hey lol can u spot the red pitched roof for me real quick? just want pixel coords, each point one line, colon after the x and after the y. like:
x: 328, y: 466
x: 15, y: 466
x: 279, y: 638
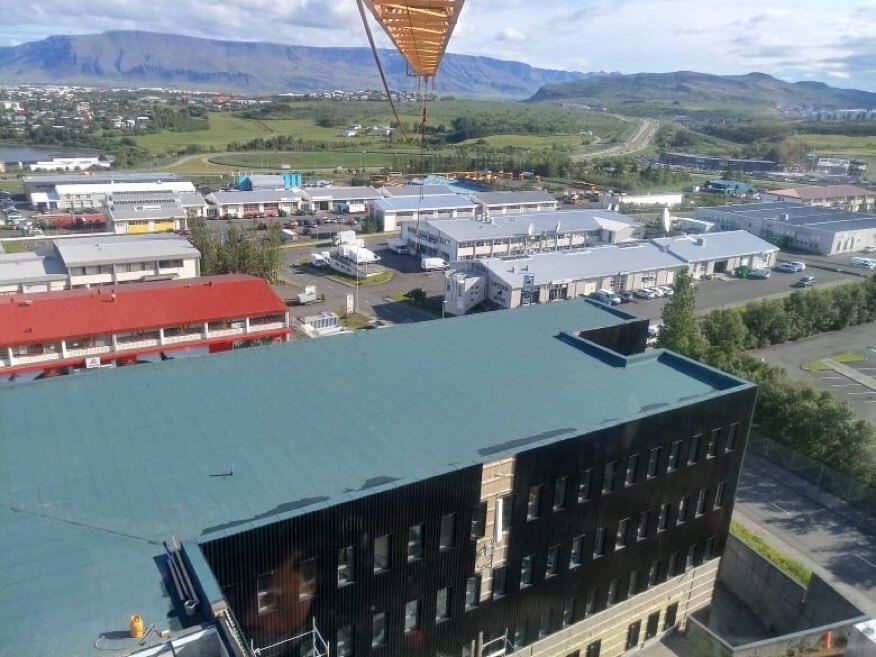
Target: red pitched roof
x: 51, y: 316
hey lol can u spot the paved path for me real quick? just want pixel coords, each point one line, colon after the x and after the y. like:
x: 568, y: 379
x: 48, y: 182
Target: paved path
x: 827, y: 534
x: 640, y: 140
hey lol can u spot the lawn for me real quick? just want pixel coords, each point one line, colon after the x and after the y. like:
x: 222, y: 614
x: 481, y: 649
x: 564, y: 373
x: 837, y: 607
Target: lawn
x: 845, y: 357
x: 376, y: 279
x: 304, y: 159
x: 863, y: 148
x: 12, y: 186
x: 527, y: 141
x: 13, y: 246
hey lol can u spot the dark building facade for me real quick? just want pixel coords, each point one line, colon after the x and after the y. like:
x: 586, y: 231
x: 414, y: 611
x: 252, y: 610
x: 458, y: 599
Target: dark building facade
x: 717, y: 163
x: 551, y: 540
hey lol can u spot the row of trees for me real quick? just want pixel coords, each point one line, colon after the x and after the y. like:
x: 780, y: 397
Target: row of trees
x: 238, y: 252
x: 791, y: 411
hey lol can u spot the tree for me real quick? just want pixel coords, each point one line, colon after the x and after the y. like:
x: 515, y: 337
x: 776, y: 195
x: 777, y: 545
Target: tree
x: 725, y: 330
x: 680, y: 331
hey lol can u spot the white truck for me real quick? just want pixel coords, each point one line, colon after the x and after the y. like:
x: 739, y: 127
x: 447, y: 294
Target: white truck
x: 398, y: 245
x: 347, y: 208
x: 433, y: 264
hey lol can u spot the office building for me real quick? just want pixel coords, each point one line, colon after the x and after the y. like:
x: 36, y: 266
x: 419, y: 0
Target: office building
x: 349, y: 496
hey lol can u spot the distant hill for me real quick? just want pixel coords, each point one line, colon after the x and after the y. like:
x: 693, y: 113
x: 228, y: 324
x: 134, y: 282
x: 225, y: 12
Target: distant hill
x: 130, y: 58
x: 687, y: 87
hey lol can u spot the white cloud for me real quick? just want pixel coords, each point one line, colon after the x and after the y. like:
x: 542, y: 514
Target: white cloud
x: 511, y: 34
x: 839, y: 74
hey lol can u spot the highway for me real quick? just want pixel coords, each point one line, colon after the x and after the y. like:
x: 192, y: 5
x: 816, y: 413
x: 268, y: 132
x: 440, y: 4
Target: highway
x: 825, y: 533
x: 638, y: 142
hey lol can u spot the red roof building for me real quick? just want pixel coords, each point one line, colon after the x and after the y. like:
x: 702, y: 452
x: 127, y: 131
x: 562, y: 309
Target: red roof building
x: 49, y: 333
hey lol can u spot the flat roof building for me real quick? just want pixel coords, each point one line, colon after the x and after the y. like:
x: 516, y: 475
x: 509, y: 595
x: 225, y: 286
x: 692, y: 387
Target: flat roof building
x: 843, y: 197
x: 332, y: 198
x: 239, y: 205
x: 48, y: 183
x: 416, y: 190
x: 69, y: 196
x: 52, y: 333
x: 557, y: 275
x: 815, y: 229
x: 485, y: 237
x: 551, y: 518
x: 513, y: 202
x: 391, y: 212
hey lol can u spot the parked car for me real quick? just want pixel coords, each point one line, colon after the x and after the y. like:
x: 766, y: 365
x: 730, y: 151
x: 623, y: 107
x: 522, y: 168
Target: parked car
x: 666, y: 290
x: 805, y: 281
x: 657, y: 291
x: 625, y: 296
x: 760, y: 273
x: 645, y: 293
x: 867, y: 263
x: 791, y: 267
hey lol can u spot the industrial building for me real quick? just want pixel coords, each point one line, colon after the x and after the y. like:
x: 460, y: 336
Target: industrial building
x: 391, y: 212
x: 51, y: 333
x: 83, y: 196
x: 416, y: 190
x: 232, y: 502
x: 486, y: 237
x: 842, y: 197
x: 46, y: 184
x: 717, y: 163
x: 492, y: 203
x: 99, y: 260
x: 334, y: 199
x: 240, y: 205
x: 518, y: 280
x: 815, y: 229
x: 269, y: 182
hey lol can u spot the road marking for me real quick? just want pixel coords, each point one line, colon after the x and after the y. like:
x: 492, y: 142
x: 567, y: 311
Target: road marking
x: 787, y: 513
x: 843, y: 385
x: 866, y: 561
x: 828, y: 378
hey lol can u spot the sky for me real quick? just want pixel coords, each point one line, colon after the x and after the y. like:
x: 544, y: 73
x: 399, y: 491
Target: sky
x: 831, y: 41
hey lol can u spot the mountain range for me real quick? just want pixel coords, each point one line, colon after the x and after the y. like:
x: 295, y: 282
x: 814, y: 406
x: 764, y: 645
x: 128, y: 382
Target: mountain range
x: 139, y: 59
x: 687, y: 88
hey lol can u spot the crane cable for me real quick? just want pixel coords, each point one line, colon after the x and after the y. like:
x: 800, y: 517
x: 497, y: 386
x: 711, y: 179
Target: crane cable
x: 398, y: 120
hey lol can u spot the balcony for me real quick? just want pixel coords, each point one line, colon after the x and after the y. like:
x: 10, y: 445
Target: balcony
x: 270, y: 326
x: 37, y: 358
x: 177, y: 339
x: 223, y: 333
x: 88, y: 351
x: 138, y: 344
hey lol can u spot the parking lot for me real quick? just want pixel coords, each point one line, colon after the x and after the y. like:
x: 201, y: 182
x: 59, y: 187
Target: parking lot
x: 859, y: 389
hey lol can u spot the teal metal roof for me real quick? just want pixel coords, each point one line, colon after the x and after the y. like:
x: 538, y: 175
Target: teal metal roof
x: 103, y: 466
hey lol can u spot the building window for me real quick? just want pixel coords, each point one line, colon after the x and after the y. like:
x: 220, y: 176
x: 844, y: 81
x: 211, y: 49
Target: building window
x: 674, y: 454
x: 307, y: 575
x: 608, y: 473
x: 732, y: 432
x: 344, y: 641
x: 633, y: 635
x: 719, y: 495
x: 663, y: 517
x: 550, y: 568
x: 345, y: 565
x: 593, y: 649
x: 611, y: 596
x: 632, y: 466
x: 479, y: 520
x: 701, y: 502
x: 378, y: 629
x: 266, y: 595
x: 669, y: 618
x: 711, y: 548
x: 590, y: 602
x: 520, y: 633
x: 442, y: 603
x: 526, y: 571
x: 533, y: 502
x: 599, y: 543
x: 691, y: 557
x: 381, y: 554
x: 560, y: 494
x: 472, y: 591
x: 653, y: 462
x: 712, y: 449
x: 682, y: 510
x: 584, y: 485
x: 693, y: 450
x: 575, y: 554
x: 544, y: 623
x: 633, y: 586
x: 568, y: 612
x: 653, y: 573
x: 500, y: 581
x: 642, y: 529
x: 447, y: 533
x: 415, y: 542
x: 673, y: 564
x: 503, y: 514
x: 412, y: 615
x: 652, y: 625
x: 621, y: 539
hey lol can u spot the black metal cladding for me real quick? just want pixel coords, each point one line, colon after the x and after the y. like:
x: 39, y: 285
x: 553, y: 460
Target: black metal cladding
x: 238, y: 560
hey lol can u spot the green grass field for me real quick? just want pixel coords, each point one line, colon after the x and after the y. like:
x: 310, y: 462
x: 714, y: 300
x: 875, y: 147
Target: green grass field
x: 863, y: 148
x: 304, y: 159
x: 12, y: 186
x: 528, y: 141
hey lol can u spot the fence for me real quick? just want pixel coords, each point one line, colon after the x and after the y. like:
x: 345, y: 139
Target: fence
x: 842, y: 485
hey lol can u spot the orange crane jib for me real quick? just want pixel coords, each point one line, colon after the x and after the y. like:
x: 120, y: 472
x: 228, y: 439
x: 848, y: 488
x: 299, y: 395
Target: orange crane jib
x: 420, y: 29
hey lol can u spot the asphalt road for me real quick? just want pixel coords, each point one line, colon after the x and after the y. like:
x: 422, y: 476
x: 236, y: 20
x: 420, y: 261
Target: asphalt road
x: 834, y: 539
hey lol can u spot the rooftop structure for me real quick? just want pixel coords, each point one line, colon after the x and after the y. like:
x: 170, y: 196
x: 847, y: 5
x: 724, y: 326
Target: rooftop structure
x: 416, y: 190
x: 390, y: 212
x: 827, y: 231
x: 269, y: 182
x: 513, y: 202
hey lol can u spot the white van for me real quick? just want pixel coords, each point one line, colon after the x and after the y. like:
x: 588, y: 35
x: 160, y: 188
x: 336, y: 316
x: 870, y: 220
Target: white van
x: 869, y: 263
x: 607, y: 296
